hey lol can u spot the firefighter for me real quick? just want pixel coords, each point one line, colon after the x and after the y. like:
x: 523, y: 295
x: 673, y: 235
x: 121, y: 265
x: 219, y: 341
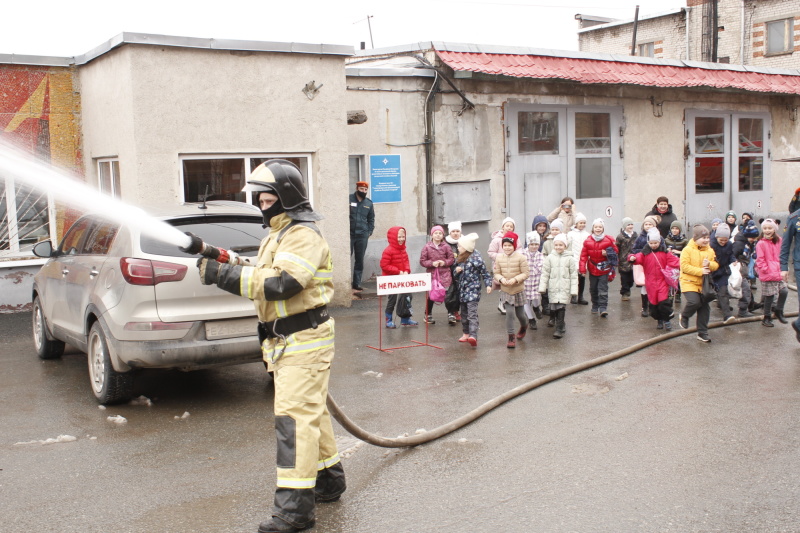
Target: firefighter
x: 291, y: 285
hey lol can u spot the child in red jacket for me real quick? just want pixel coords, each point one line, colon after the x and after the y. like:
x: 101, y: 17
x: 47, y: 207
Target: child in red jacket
x: 394, y: 261
x: 593, y: 260
x: 654, y: 257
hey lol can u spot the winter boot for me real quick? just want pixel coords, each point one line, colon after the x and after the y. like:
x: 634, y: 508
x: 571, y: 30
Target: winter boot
x: 408, y: 322
x: 552, y: 321
x: 767, y: 321
x: 779, y: 308
x: 667, y: 325
x: 538, y: 312
x: 389, y: 322
x: 276, y: 525
x: 522, y: 331
x: 660, y: 324
x: 532, y: 324
x: 511, y: 342
x: 645, y: 306
x: 560, y: 326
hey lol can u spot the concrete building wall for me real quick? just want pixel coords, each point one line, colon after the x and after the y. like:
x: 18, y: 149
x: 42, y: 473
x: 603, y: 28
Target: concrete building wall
x: 152, y: 104
x: 395, y: 109
x: 653, y: 160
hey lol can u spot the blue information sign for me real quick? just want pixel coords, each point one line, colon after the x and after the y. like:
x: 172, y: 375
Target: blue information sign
x: 385, y: 176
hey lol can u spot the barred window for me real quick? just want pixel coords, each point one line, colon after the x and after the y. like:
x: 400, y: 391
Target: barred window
x: 24, y: 218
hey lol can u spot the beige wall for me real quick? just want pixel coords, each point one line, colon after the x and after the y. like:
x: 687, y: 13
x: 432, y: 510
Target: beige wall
x: 151, y: 104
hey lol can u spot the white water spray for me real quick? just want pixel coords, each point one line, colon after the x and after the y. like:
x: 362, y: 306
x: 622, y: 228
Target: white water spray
x: 61, y: 186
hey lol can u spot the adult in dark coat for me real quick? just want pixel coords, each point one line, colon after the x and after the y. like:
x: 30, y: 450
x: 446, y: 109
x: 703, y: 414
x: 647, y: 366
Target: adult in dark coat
x: 663, y: 209
x: 362, y: 224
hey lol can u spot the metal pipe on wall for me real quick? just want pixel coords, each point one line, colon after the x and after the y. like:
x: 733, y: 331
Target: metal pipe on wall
x: 635, y: 27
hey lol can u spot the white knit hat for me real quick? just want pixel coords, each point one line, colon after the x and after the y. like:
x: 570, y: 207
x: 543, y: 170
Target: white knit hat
x: 532, y: 237
x: 557, y: 223
x: 598, y: 221
x: 579, y: 217
x: 508, y: 219
x: 453, y: 226
x: 653, y: 235
x: 468, y: 241
x: 561, y: 237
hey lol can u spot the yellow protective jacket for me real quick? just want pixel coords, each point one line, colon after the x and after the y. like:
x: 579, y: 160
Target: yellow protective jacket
x: 293, y: 274
x: 692, y: 266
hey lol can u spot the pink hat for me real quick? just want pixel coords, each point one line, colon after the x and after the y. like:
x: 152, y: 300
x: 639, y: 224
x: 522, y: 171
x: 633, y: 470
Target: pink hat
x: 437, y: 228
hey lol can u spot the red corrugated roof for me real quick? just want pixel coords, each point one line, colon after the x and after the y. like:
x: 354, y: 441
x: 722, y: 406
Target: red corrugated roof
x: 617, y: 72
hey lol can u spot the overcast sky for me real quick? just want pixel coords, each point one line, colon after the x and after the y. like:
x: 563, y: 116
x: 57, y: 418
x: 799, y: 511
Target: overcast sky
x: 71, y: 27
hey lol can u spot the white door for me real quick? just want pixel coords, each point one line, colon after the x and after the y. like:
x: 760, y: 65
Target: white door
x: 537, y: 157
x: 595, y: 165
x: 708, y: 176
x: 751, y: 182
x: 555, y: 152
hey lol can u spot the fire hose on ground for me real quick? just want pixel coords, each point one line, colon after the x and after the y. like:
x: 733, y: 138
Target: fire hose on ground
x: 441, y: 431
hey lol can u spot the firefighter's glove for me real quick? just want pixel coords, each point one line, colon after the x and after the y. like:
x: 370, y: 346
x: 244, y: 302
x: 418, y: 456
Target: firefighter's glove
x: 209, y: 270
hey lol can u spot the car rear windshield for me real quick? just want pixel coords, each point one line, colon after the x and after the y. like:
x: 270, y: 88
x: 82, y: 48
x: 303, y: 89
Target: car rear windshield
x: 241, y: 234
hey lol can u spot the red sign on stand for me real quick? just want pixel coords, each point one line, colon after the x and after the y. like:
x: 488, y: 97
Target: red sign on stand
x: 402, y: 284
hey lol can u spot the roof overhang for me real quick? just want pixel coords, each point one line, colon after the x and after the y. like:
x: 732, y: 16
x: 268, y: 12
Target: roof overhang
x: 611, y: 69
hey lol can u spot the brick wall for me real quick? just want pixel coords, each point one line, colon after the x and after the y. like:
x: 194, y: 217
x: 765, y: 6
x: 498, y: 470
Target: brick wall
x: 667, y: 33
x: 670, y: 30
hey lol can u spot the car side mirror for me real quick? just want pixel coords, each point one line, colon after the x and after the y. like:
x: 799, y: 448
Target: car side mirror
x: 43, y: 249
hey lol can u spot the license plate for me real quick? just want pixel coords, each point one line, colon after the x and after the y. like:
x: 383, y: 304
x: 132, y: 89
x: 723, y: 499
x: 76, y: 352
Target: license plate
x: 228, y: 329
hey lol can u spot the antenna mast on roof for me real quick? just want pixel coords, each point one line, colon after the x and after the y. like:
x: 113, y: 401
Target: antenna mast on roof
x: 371, y: 42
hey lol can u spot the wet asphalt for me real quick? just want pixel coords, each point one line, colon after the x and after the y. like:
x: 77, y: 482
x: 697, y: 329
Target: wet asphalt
x: 681, y: 436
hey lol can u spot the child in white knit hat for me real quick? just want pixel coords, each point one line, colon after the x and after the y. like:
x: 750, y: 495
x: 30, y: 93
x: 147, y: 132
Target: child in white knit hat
x: 560, y: 281
x: 451, y: 302
x: 532, y: 296
x: 575, y: 239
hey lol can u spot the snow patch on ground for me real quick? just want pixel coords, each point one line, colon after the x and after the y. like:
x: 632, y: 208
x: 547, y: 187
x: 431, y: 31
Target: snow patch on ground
x: 141, y: 400
x: 184, y: 416
x: 373, y: 373
x: 117, y: 419
x: 59, y: 439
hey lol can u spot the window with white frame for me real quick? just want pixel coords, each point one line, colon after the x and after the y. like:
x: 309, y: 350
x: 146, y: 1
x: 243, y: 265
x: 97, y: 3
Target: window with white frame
x: 356, y: 163
x: 108, y: 177
x: 222, y: 177
x: 24, y: 218
x: 647, y: 49
x: 780, y: 36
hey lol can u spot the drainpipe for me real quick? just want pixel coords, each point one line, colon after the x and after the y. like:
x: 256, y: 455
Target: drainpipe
x: 635, y: 27
x: 688, y: 11
x: 744, y: 33
x: 429, y: 138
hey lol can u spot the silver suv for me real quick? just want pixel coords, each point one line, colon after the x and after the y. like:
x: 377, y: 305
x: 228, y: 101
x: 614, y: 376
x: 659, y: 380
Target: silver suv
x: 132, y: 302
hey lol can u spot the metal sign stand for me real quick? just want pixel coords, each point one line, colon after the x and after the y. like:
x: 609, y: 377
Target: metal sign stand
x: 416, y: 344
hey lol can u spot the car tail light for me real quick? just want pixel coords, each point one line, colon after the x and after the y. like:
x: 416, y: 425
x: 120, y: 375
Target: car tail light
x: 147, y: 272
x: 157, y: 326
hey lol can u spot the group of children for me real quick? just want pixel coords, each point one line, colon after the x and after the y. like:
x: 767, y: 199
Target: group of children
x: 549, y: 271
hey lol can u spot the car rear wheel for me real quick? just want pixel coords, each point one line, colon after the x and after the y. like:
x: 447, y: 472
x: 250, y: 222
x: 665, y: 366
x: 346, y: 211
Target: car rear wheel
x: 108, y: 385
x: 46, y: 348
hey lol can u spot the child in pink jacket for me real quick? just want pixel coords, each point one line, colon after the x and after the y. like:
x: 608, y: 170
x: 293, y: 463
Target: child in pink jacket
x: 653, y: 258
x: 768, y: 266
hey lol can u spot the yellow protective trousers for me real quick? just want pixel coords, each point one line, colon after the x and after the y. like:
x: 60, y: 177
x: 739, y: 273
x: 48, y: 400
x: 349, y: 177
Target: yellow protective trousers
x: 306, y: 446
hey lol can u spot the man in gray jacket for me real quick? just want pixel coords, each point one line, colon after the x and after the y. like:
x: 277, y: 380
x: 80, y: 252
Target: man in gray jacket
x: 362, y: 223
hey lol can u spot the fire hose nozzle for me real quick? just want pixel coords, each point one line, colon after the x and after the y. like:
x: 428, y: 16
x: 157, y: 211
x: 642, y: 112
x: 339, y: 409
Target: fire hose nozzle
x: 197, y: 246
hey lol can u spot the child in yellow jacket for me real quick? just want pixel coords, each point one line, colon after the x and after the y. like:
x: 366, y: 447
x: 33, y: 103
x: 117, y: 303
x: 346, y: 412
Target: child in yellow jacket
x: 697, y: 260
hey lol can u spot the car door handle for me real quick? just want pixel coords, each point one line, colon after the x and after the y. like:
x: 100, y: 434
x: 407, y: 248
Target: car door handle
x: 64, y: 271
x: 93, y: 273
